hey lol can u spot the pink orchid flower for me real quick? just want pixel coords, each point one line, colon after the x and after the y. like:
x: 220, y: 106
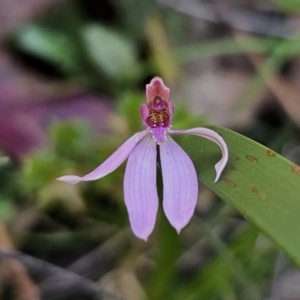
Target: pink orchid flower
x: 180, y: 183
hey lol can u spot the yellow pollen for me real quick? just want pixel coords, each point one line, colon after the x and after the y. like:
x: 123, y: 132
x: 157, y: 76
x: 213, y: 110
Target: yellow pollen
x: 157, y: 117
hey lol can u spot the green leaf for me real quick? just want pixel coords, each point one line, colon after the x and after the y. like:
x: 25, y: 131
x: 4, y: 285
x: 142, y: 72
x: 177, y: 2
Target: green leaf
x: 48, y: 44
x: 287, y: 5
x: 7, y: 208
x: 262, y: 185
x: 111, y: 52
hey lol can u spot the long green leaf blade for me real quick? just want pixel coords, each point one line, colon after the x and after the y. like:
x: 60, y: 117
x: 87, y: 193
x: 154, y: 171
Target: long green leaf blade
x: 261, y: 184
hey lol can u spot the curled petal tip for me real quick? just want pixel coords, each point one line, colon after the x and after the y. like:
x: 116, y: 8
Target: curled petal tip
x: 69, y: 179
x: 214, y: 137
x: 219, y: 168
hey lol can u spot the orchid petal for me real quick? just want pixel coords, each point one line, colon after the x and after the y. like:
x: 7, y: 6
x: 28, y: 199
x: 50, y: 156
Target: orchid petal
x: 214, y: 137
x: 113, y: 162
x: 180, y: 184
x: 140, y: 191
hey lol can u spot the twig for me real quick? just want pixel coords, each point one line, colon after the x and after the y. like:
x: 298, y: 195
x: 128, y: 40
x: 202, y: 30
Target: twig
x: 239, y: 19
x: 68, y: 283
x: 93, y: 265
x: 15, y: 273
x: 99, y: 261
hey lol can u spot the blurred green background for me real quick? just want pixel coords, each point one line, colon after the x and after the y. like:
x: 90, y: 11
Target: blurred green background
x: 72, y: 77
